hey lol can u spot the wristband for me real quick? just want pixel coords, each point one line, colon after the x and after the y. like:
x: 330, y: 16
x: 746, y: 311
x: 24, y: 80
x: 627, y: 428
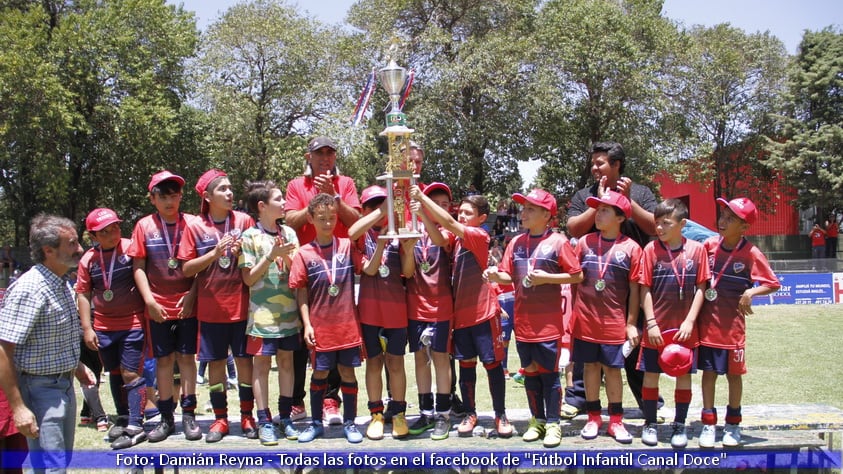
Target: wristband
x: 651, y: 326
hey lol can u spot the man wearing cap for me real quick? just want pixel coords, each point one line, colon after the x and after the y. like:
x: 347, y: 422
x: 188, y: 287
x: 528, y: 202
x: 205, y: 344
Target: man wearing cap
x: 39, y: 345
x: 320, y: 176
x: 608, y: 160
x: 106, y: 283
x: 173, y: 327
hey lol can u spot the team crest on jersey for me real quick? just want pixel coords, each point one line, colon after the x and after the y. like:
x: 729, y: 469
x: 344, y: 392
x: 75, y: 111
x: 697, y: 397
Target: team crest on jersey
x: 738, y: 267
x: 313, y: 263
x: 206, y: 237
x: 155, y: 235
x: 340, y: 257
x: 689, y: 264
x: 520, y: 252
x: 124, y: 259
x: 546, y: 249
x: 620, y: 256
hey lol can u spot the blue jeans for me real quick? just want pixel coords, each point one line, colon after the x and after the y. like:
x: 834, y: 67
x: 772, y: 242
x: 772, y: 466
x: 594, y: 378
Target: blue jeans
x: 53, y: 401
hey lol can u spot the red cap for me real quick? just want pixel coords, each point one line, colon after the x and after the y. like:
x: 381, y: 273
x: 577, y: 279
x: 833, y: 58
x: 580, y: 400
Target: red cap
x: 100, y: 218
x: 742, y: 207
x: 613, y: 198
x: 205, y: 180
x: 538, y: 197
x: 162, y: 176
x: 372, y: 192
x: 675, y: 358
x: 437, y: 186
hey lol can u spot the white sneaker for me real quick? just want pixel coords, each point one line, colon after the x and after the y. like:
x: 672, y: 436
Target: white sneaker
x: 650, y: 435
x: 707, y: 436
x: 731, y: 435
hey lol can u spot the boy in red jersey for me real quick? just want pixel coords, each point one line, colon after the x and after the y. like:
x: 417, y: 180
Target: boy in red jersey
x: 606, y: 310
x: 210, y: 250
x: 382, y: 306
x: 173, y: 327
x: 477, y: 326
x: 323, y: 277
x: 536, y: 263
x: 736, y: 265
x: 674, y: 272
x: 105, y: 281
x: 274, y: 327
x: 431, y: 308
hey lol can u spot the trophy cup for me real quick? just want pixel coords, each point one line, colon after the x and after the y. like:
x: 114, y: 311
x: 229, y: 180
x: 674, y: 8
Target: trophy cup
x: 399, y: 174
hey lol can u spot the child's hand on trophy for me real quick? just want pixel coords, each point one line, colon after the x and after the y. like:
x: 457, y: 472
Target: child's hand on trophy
x: 415, y: 206
x: 415, y: 192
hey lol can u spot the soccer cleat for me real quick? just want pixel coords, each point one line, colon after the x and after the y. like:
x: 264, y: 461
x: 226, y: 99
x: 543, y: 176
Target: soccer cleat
x: 708, y: 436
x: 592, y: 427
x: 102, y: 424
x: 313, y: 431
x: 375, y: 429
x: 118, y: 427
x: 131, y: 436
x: 399, y: 426
x: 352, y: 434
x: 568, y: 411
x: 232, y: 383
x: 298, y: 412
x: 457, y: 408
x: 552, y: 435
x: 218, y: 430
x: 442, y: 428
x: 535, y: 431
x: 503, y: 426
x: 618, y: 431
x: 422, y: 424
x: 267, y: 435
x: 650, y: 434
x: 466, y: 427
x: 731, y: 435
x: 191, y: 429
x: 249, y: 427
x: 331, y: 412
x: 162, y: 430
x: 518, y: 377
x: 679, y: 439
x: 290, y: 431
x: 200, y: 380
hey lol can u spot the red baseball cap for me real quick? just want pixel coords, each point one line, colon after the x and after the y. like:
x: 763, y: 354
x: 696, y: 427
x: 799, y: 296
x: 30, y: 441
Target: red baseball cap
x: 613, y: 198
x: 437, y: 186
x: 162, y: 176
x: 675, y: 358
x: 742, y: 207
x: 100, y: 218
x: 372, y: 192
x: 538, y: 197
x: 205, y: 180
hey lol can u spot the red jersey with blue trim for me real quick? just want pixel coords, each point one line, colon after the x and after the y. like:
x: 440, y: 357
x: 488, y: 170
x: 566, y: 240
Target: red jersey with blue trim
x: 600, y: 315
x: 732, y: 272
x: 334, y: 318
x: 429, y: 295
x: 168, y: 285
x: 222, y: 297
x: 474, y: 301
x: 538, y: 308
x: 662, y: 270
x: 126, y: 308
x: 381, y: 300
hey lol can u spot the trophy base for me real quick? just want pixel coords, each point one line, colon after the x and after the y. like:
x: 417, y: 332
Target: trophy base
x: 401, y: 234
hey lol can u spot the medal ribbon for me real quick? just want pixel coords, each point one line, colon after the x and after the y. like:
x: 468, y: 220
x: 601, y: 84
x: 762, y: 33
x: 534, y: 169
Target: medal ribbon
x: 333, y: 273
x: 227, y: 217
x: 171, y: 248
x: 534, y: 255
x: 425, y: 245
x: 679, y: 280
x: 716, y: 278
x: 601, y: 267
x: 106, y: 276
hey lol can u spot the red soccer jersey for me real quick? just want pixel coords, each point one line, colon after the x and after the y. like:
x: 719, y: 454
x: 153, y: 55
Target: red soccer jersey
x: 538, y: 315
x: 381, y: 301
x: 474, y: 302
x: 600, y: 315
x: 732, y: 273
x: 126, y: 308
x: 158, y: 242
x: 670, y: 273
x: 817, y: 238
x: 302, y: 189
x: 334, y: 318
x: 222, y: 298
x: 429, y: 296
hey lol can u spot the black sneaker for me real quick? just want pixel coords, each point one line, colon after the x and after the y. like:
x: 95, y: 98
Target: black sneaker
x: 441, y: 428
x: 424, y: 423
x: 191, y: 430
x: 116, y: 430
x: 457, y: 408
x: 162, y: 430
x: 132, y: 435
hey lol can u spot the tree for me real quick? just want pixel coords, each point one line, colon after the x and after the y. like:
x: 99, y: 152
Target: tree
x: 726, y: 91
x: 603, y: 68
x: 807, y: 146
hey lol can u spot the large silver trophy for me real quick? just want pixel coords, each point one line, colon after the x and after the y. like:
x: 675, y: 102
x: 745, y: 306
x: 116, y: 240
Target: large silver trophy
x: 399, y: 174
